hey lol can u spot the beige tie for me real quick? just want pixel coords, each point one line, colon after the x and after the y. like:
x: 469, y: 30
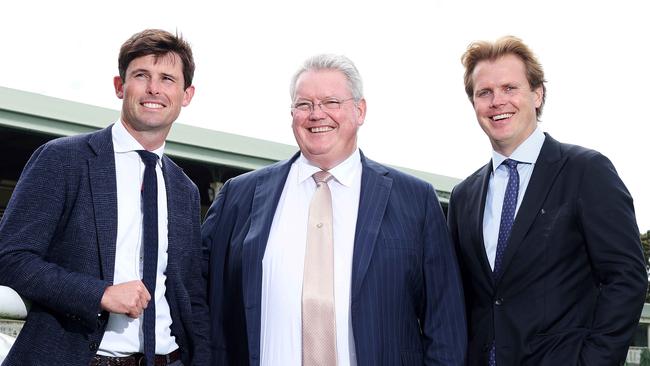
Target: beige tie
x: 318, y: 321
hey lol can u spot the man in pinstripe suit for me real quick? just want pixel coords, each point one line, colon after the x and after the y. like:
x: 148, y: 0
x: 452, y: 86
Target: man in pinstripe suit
x: 397, y: 294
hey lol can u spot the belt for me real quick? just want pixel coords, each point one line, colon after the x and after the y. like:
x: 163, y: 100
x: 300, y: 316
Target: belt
x: 136, y: 359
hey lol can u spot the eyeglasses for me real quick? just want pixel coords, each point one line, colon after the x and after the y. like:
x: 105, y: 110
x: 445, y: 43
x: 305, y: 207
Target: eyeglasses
x: 331, y: 104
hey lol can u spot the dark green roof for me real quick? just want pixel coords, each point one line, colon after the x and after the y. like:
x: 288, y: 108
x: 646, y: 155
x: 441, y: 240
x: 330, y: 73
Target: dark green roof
x: 43, y: 114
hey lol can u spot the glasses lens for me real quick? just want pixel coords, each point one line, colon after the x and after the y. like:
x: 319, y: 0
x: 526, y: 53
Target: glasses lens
x: 303, y: 106
x: 331, y: 104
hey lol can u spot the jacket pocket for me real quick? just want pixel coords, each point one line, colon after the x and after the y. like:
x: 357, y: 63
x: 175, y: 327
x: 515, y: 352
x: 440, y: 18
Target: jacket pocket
x: 560, y: 347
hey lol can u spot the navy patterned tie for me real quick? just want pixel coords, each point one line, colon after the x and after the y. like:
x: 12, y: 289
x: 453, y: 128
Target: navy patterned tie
x: 150, y: 249
x: 507, y: 213
x: 505, y: 226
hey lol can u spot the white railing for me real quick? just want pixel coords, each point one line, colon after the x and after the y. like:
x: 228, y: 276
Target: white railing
x: 5, y: 345
x: 12, y: 306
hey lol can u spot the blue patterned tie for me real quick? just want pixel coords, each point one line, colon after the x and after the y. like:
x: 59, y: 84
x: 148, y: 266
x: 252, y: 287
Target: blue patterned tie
x: 507, y: 213
x: 505, y: 226
x: 150, y: 245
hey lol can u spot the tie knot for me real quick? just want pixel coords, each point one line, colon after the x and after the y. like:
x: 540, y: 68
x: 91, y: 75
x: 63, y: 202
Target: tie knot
x: 148, y: 158
x: 322, y: 177
x: 512, y: 164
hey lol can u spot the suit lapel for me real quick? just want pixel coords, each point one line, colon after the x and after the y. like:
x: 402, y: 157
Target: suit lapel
x: 268, y: 189
x: 101, y: 170
x: 375, y: 190
x: 175, y: 198
x: 477, y: 213
x: 547, y: 167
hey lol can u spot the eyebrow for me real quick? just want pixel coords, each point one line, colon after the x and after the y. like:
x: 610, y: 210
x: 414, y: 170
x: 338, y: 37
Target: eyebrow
x: 329, y: 97
x: 139, y: 70
x: 169, y: 75
x: 147, y: 71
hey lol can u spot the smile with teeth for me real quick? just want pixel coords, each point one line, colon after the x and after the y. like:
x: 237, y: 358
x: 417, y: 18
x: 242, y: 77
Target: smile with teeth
x: 320, y: 129
x: 502, y: 116
x: 152, y: 105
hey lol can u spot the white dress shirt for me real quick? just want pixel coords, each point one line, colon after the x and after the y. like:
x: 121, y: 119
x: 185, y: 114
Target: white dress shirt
x: 526, y: 154
x: 123, y: 334
x: 284, y: 259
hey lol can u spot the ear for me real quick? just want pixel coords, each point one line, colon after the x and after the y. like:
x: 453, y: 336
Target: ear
x: 361, y: 109
x: 119, y: 87
x: 187, y: 97
x: 539, y: 96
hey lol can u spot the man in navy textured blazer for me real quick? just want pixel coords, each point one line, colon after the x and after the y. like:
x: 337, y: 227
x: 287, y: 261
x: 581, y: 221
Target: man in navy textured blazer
x: 397, y: 292
x: 548, y: 244
x: 70, y: 239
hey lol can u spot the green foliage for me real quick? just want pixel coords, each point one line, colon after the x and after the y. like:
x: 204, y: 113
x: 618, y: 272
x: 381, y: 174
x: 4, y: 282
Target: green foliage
x: 645, y: 357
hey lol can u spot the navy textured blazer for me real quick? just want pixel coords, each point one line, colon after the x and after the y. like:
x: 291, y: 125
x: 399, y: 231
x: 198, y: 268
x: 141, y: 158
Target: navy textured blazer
x: 573, y: 276
x: 406, y: 295
x: 57, y: 248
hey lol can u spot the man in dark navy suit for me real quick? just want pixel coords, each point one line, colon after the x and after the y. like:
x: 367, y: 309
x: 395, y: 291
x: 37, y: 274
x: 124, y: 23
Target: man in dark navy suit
x: 547, y: 240
x: 383, y: 287
x: 102, y: 232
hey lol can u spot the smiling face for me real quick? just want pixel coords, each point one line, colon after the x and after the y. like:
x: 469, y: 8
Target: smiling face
x: 504, y: 103
x: 153, y: 94
x: 326, y: 136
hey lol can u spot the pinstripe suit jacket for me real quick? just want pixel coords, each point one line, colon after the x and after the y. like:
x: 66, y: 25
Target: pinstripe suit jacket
x: 57, y: 248
x: 406, y: 296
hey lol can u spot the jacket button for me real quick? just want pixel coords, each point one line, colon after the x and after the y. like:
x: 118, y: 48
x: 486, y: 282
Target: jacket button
x: 93, y: 346
x: 498, y: 301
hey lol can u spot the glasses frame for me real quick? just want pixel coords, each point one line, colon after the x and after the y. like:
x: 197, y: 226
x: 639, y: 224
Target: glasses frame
x: 312, y: 105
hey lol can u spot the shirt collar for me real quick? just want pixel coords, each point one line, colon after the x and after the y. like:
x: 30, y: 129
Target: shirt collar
x: 526, y: 153
x: 343, y: 173
x: 124, y: 142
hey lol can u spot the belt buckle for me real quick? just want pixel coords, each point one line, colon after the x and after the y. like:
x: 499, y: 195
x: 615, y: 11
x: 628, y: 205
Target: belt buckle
x: 140, y: 360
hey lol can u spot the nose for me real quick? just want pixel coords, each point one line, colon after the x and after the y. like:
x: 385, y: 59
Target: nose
x: 498, y: 99
x: 153, y: 87
x: 317, y: 113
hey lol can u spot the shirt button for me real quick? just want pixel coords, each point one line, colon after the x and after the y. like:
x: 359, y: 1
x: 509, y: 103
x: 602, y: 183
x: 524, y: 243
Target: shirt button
x: 319, y: 225
x: 498, y: 301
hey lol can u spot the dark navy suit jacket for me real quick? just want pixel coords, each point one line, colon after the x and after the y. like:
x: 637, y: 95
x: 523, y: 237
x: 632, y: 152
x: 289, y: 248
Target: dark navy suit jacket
x: 406, y: 296
x: 573, y: 277
x: 57, y: 248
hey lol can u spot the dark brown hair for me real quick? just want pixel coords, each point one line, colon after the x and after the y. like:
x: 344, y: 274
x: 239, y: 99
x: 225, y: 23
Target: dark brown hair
x: 157, y: 42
